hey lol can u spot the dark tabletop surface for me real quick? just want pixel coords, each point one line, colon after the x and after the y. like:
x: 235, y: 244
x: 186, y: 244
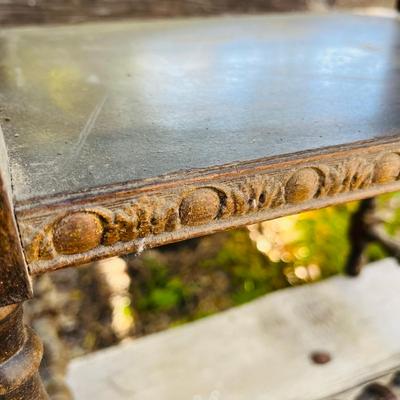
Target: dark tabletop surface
x: 99, y: 104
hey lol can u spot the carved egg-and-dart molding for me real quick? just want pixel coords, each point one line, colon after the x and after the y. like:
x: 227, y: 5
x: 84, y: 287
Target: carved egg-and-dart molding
x: 387, y: 168
x: 199, y: 207
x: 84, y: 230
x: 302, y: 185
x: 77, y: 233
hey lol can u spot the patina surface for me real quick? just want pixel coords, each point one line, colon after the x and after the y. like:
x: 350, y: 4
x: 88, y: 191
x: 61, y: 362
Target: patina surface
x: 129, y: 136
x: 95, y: 227
x: 110, y: 105
x: 120, y: 141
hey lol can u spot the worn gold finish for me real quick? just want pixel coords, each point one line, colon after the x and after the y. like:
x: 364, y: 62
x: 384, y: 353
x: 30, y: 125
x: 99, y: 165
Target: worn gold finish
x: 199, y: 207
x: 302, y: 185
x: 88, y: 232
x: 77, y: 233
x: 387, y: 168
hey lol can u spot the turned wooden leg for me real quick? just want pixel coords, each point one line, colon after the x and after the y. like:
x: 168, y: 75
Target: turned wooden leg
x: 20, y: 356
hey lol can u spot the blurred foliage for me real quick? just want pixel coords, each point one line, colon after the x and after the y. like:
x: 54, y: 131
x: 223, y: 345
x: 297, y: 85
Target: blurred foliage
x: 184, y: 282
x: 171, y: 285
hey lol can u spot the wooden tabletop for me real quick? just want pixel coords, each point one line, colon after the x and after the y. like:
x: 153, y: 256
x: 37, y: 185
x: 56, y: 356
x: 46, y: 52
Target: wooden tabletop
x: 135, y: 134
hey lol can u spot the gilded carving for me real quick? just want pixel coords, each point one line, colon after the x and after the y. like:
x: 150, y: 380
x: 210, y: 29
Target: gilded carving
x: 387, y: 168
x: 86, y: 229
x: 303, y: 185
x: 199, y: 207
x: 355, y: 174
x: 253, y: 194
x: 77, y: 233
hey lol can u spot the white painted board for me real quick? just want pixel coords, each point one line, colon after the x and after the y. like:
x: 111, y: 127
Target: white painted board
x: 260, y: 351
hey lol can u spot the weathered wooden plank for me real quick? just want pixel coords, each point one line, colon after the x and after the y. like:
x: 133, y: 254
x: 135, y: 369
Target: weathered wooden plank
x: 15, y: 284
x: 262, y: 350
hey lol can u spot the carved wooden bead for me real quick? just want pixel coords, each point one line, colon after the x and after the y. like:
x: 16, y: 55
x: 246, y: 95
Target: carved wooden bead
x: 77, y: 233
x: 303, y: 185
x: 199, y: 207
x: 387, y: 168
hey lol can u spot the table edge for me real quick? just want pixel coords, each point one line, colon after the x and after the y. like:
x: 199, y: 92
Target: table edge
x: 79, y: 228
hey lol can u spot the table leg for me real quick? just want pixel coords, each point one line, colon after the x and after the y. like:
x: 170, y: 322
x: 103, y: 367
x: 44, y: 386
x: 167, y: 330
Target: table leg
x: 20, y: 356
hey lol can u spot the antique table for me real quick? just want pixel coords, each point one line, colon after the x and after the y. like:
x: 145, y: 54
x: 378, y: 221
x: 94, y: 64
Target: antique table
x: 119, y: 137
